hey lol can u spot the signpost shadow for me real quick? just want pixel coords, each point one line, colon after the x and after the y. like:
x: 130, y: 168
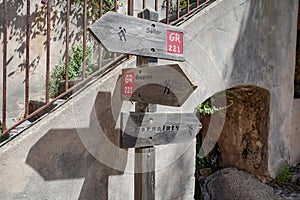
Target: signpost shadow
x: 62, y: 154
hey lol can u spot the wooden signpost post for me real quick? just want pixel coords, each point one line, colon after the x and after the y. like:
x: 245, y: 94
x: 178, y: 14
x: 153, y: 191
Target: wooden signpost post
x: 165, y: 85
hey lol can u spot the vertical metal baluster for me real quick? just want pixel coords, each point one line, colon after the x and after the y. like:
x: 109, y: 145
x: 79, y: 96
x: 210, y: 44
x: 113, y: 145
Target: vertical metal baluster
x: 156, y: 5
x: 99, y: 46
x: 4, y: 65
x: 130, y: 7
x: 27, y: 58
x: 115, y: 9
x: 48, y: 50
x: 100, y: 8
x: 144, y: 4
x: 116, y: 6
x: 67, y: 44
x: 130, y: 12
x: 188, y: 5
x: 178, y: 9
x: 167, y: 11
x: 84, y: 38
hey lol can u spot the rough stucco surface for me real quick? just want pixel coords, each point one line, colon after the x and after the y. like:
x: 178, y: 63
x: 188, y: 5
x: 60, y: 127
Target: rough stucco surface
x: 57, y: 157
x: 72, y: 154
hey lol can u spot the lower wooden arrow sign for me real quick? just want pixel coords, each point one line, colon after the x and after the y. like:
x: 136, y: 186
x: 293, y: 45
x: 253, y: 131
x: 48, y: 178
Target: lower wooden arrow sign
x: 148, y: 129
x: 165, y: 85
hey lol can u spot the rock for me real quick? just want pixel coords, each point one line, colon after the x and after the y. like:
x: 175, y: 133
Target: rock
x: 233, y: 184
x: 205, y: 171
x: 295, y: 178
x: 243, y: 140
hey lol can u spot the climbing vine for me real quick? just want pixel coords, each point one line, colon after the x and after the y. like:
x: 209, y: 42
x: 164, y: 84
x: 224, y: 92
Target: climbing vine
x: 209, y: 107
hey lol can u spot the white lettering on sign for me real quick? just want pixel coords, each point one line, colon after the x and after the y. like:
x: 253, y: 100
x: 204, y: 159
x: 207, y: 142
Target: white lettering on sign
x: 128, y: 78
x: 174, y: 42
x: 174, y: 49
x: 128, y: 84
x: 128, y: 90
x: 174, y: 37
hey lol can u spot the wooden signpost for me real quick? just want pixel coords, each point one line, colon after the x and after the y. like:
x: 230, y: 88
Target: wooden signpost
x: 164, y: 85
x: 148, y: 129
x: 136, y: 36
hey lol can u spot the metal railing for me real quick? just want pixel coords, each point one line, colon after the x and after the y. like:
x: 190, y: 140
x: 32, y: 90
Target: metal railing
x: 175, y: 11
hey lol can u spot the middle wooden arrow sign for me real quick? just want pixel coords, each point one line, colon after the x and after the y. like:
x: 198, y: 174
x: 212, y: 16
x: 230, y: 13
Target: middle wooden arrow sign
x: 164, y: 85
x: 131, y: 35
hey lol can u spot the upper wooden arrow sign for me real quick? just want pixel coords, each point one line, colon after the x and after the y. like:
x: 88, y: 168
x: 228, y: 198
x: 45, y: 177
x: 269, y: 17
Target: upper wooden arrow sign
x: 131, y: 35
x: 164, y: 84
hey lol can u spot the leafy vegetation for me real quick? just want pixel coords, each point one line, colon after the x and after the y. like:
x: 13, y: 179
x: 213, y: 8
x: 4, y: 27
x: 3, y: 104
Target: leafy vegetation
x: 209, y: 107
x: 5, y: 137
x: 58, y: 73
x: 284, y: 175
x: 201, y: 161
x: 94, y: 7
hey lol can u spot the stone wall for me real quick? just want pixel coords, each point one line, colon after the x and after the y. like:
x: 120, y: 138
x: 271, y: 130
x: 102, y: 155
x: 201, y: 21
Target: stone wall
x: 244, y: 138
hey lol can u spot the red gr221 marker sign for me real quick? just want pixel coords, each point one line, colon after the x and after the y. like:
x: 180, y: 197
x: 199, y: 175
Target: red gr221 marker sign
x: 174, y: 42
x: 128, y: 84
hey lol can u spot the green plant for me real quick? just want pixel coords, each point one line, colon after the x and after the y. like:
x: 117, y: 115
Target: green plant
x: 4, y: 137
x: 284, y: 175
x: 184, y: 3
x: 201, y: 161
x: 58, y: 73
x: 208, y: 106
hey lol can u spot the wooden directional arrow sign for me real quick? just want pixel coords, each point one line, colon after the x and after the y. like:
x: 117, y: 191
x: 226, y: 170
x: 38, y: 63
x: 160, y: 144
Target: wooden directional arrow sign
x: 147, y: 129
x: 131, y: 35
x: 165, y: 85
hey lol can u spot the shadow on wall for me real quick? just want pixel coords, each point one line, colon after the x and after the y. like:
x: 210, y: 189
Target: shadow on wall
x: 16, y: 26
x: 61, y: 154
x: 264, y: 56
x: 263, y: 50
